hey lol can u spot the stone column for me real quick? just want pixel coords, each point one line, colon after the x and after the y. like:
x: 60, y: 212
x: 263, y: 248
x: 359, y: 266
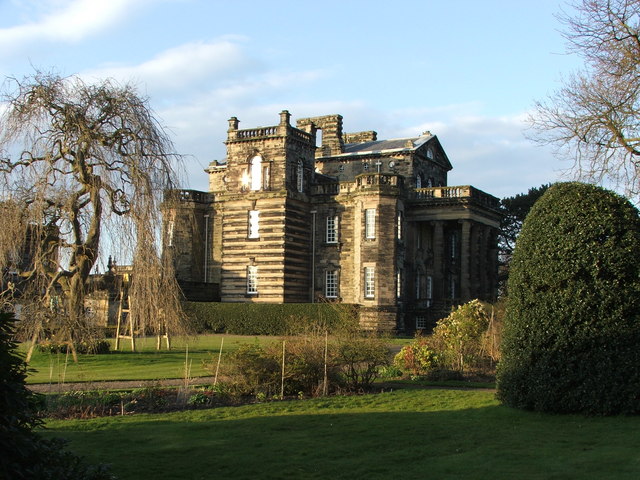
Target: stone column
x: 232, y: 132
x: 283, y: 126
x: 465, y: 260
x: 485, y: 268
x: 438, y: 258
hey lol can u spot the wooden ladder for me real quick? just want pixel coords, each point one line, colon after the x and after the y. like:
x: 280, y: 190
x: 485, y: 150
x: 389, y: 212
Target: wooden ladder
x: 124, y: 325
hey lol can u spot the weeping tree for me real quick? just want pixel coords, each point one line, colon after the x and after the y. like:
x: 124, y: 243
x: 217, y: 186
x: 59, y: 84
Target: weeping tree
x: 81, y: 163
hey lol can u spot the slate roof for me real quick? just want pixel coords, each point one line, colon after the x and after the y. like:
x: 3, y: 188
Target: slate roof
x: 385, y: 146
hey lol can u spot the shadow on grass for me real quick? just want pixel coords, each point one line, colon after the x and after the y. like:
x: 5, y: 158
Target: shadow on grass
x: 393, y: 435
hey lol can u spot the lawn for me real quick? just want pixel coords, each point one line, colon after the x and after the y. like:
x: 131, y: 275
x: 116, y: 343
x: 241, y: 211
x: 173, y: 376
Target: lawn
x: 144, y: 364
x: 429, y: 433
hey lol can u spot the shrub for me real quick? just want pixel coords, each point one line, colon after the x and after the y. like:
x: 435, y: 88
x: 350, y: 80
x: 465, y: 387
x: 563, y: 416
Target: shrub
x: 572, y: 328
x: 417, y: 358
x: 96, y: 347
x: 351, y: 361
x: 254, y: 370
x: 24, y: 454
x: 361, y: 358
x: 459, y: 338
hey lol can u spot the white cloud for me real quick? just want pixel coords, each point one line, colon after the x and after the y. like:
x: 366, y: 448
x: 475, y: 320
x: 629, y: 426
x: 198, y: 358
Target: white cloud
x: 182, y: 68
x: 69, y: 22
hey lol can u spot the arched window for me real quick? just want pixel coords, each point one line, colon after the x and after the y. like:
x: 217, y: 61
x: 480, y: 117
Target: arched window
x: 256, y: 173
x: 418, y: 181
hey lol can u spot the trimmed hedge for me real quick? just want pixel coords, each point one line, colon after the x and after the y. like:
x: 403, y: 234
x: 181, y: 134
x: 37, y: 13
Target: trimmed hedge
x: 269, y: 319
x: 571, y: 340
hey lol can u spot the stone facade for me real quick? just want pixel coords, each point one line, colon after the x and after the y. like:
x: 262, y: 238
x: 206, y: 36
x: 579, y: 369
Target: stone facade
x: 353, y: 220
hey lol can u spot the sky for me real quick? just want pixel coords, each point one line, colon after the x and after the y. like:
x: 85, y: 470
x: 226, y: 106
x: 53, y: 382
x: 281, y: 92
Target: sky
x: 468, y: 71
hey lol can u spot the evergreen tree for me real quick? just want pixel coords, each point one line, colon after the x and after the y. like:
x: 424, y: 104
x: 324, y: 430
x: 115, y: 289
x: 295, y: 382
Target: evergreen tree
x: 572, y: 325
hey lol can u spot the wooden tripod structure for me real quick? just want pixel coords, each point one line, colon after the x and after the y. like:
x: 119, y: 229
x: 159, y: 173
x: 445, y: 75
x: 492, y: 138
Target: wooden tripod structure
x: 126, y: 327
x: 124, y: 322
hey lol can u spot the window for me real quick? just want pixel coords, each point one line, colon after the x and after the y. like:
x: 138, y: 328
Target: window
x: 256, y: 173
x: 254, y: 224
x: 265, y: 177
x: 332, y: 229
x: 370, y: 223
x: 418, y: 181
x: 300, y: 176
x: 419, y: 286
x: 399, y: 226
x: 369, y: 282
x: 429, y: 290
x: 421, y: 323
x: 399, y: 284
x: 170, y: 228
x: 331, y: 284
x: 252, y: 280
x: 454, y: 244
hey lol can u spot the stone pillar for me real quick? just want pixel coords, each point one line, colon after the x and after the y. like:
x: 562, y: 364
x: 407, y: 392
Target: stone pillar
x: 484, y: 274
x: 283, y: 126
x: 438, y: 258
x: 465, y: 260
x: 492, y: 273
x: 232, y: 132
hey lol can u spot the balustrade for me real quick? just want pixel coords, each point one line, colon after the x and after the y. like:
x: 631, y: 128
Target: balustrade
x: 257, y: 132
x: 457, y: 192
x: 188, y: 196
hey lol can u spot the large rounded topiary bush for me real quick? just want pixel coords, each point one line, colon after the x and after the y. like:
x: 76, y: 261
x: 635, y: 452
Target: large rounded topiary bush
x: 571, y: 340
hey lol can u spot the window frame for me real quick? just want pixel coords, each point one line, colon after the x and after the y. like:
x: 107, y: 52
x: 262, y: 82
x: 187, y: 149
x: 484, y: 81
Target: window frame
x: 369, y: 282
x: 370, y: 223
x: 300, y: 176
x: 252, y: 280
x: 331, y: 229
x: 170, y: 232
x: 255, y: 173
x: 331, y: 283
x: 253, y: 226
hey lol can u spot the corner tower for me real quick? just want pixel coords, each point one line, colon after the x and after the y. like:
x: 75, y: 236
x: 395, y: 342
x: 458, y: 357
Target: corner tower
x: 262, y: 207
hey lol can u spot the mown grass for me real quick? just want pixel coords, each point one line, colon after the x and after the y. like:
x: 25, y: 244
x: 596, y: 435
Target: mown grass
x: 401, y: 434
x: 144, y: 364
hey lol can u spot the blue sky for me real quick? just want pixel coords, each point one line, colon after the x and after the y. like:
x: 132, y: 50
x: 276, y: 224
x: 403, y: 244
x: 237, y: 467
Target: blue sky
x: 466, y: 70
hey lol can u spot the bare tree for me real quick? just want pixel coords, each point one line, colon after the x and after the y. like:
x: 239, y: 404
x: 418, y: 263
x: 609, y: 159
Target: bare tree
x: 594, y: 118
x: 79, y: 161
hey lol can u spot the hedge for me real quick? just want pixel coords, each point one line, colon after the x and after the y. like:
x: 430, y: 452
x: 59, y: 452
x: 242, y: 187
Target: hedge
x: 269, y: 319
x: 572, y: 327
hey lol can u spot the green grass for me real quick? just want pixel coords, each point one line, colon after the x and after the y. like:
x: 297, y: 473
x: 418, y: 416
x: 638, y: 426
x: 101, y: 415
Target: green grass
x: 401, y: 434
x: 144, y: 364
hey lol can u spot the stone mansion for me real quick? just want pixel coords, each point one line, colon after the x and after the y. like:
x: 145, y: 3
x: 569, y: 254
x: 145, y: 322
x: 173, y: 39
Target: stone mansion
x: 311, y: 213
